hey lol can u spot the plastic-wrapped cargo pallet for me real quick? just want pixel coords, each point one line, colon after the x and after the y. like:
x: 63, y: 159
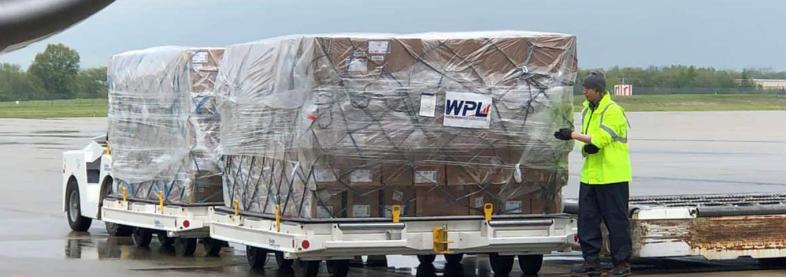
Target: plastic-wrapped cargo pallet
x: 347, y: 125
x: 164, y: 125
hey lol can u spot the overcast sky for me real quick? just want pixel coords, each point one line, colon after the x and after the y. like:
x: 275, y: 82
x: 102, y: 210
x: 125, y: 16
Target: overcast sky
x: 720, y: 33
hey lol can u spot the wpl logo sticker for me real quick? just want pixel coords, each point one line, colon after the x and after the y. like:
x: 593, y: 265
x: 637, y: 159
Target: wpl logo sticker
x: 467, y: 110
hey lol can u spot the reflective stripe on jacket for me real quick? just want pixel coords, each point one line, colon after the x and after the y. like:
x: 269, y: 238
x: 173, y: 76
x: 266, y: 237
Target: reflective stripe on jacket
x: 607, y: 125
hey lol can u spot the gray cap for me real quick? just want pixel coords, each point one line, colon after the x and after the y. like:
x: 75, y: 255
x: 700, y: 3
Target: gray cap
x: 595, y: 80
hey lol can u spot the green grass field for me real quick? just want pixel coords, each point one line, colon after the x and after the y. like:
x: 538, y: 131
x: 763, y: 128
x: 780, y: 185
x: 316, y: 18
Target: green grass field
x: 54, y: 108
x: 697, y: 102
x: 672, y: 102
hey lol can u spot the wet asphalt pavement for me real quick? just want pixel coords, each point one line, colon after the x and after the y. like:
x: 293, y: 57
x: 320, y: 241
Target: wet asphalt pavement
x: 672, y: 153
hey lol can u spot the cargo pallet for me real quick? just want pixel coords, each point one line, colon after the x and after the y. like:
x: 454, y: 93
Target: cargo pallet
x: 713, y: 226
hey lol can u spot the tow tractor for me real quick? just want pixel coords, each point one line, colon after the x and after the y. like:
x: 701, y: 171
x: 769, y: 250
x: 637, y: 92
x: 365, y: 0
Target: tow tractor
x: 88, y: 189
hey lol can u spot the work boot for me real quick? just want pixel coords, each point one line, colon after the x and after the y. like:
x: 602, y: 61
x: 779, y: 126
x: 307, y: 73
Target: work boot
x: 620, y: 270
x: 586, y: 269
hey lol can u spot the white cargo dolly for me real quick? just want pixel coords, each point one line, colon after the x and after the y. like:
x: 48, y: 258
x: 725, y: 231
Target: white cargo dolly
x: 339, y: 240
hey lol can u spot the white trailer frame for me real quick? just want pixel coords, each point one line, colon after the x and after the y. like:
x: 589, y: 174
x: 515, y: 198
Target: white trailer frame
x: 344, y: 239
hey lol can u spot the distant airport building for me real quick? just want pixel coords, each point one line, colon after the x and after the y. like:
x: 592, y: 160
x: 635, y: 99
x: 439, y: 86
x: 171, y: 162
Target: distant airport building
x: 775, y: 84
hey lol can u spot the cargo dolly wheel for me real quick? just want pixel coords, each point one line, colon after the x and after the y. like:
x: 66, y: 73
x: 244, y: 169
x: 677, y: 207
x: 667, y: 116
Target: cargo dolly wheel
x: 454, y: 258
x: 185, y: 247
x: 502, y: 265
x: 118, y: 230
x: 164, y: 240
x: 338, y: 268
x: 308, y: 268
x: 257, y: 257
x: 530, y: 264
x: 281, y: 262
x: 141, y: 237
x: 426, y: 259
x: 213, y: 246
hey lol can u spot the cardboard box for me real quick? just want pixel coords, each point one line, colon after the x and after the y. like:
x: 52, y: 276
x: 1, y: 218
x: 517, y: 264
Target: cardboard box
x: 399, y: 195
x: 441, y: 201
x: 361, y: 173
x: 364, y: 201
x: 329, y: 202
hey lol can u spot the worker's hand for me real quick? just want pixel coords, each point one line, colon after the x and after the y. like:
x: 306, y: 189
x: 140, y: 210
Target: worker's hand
x: 591, y: 149
x: 563, y: 134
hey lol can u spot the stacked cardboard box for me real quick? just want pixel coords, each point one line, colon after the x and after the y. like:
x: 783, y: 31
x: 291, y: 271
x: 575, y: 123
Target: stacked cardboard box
x: 164, y: 124
x: 427, y: 121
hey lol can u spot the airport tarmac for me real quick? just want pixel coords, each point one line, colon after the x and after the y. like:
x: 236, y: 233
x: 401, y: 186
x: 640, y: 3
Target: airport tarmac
x: 672, y: 153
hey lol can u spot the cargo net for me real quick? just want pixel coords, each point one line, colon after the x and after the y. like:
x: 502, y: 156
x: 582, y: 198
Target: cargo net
x: 164, y: 125
x: 360, y: 125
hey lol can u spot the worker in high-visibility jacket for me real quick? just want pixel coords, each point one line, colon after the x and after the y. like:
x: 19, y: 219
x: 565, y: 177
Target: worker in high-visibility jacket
x: 603, y: 192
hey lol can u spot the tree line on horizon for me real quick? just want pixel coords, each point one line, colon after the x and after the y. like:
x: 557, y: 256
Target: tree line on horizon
x: 55, y: 74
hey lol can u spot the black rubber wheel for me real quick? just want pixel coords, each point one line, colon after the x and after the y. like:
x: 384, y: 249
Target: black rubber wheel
x: 76, y: 221
x: 309, y: 268
x: 377, y: 261
x: 281, y: 262
x: 426, y: 259
x: 213, y: 247
x: 257, y: 257
x: 454, y: 258
x: 530, y: 264
x: 338, y: 268
x: 118, y: 230
x: 164, y: 240
x: 185, y: 247
x: 502, y: 265
x: 141, y: 237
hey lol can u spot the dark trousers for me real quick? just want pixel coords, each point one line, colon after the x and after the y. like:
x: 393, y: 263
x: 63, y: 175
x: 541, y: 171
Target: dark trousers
x: 608, y: 204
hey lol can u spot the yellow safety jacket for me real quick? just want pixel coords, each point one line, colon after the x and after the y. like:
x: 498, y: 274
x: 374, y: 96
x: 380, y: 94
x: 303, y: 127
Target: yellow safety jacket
x: 607, y: 125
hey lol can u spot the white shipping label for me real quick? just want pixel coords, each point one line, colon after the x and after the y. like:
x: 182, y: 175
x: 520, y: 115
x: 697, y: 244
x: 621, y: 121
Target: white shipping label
x: 361, y: 211
x: 477, y: 202
x: 513, y: 207
x: 199, y: 57
x: 360, y: 176
x: 324, y: 211
x: 324, y: 175
x: 467, y: 110
x: 378, y: 47
x: 398, y: 196
x: 428, y: 105
x: 358, y: 65
x: 425, y: 176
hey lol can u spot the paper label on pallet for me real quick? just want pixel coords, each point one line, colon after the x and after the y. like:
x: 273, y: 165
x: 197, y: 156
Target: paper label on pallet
x: 324, y: 211
x: 513, y: 207
x: 358, y: 65
x: 477, y: 202
x: 378, y: 58
x: 361, y: 211
x: 378, y: 47
x: 428, y: 105
x: 397, y: 196
x: 199, y: 57
x: 360, y: 176
x: 324, y: 175
x: 467, y: 110
x: 425, y: 176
